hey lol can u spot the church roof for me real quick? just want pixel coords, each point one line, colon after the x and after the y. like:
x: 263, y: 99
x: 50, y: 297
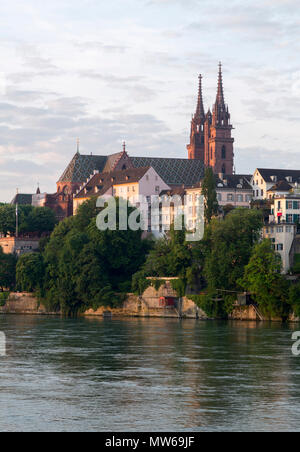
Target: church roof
x: 173, y: 171
x: 82, y: 166
x: 22, y: 199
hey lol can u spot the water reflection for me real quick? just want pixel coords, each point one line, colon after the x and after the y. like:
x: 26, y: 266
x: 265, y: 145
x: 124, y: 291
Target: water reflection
x: 147, y: 374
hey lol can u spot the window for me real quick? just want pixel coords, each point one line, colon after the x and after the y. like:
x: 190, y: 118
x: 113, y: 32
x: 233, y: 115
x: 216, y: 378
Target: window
x: 224, y: 152
x: 280, y: 247
x: 223, y: 169
x: 219, y: 195
x: 248, y: 198
x: 157, y: 189
x: 230, y: 197
x: 280, y: 229
x: 240, y: 198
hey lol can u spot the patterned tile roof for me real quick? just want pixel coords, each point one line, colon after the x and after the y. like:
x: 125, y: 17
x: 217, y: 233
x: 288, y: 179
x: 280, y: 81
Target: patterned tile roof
x: 173, y: 171
x: 82, y: 166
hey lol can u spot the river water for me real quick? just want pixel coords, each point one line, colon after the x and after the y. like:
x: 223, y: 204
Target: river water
x: 147, y: 375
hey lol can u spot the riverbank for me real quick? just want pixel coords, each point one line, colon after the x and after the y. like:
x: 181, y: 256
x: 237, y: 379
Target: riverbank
x: 161, y: 303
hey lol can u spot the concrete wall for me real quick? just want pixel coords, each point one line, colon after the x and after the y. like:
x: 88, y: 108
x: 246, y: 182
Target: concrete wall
x: 148, y: 305
x: 23, y: 303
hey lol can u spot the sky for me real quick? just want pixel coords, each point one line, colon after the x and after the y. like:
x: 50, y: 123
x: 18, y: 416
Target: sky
x: 128, y: 70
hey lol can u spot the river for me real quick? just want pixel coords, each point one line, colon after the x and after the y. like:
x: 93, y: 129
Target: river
x: 147, y: 375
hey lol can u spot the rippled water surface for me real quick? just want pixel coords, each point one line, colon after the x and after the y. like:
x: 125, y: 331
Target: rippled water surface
x: 147, y: 375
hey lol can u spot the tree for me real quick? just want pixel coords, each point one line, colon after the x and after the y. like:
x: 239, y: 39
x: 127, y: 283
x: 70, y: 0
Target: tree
x: 30, y: 219
x: 227, y: 247
x: 294, y: 298
x: 263, y: 279
x: 30, y: 272
x: 7, y: 270
x: 210, y: 195
x: 86, y: 267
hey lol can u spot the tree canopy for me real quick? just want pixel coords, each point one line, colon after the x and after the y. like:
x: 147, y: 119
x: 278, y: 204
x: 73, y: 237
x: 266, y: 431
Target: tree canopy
x: 30, y: 219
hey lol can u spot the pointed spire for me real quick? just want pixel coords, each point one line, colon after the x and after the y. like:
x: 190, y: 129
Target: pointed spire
x: 200, y: 114
x: 78, y: 146
x: 220, y: 95
x: 124, y: 146
x: 38, y: 191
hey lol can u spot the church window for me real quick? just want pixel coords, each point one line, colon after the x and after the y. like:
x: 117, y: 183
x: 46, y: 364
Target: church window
x: 223, y: 169
x: 224, y: 152
x: 124, y: 167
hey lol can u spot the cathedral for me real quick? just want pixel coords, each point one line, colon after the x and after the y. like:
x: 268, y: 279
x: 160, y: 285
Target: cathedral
x: 211, y: 140
x: 211, y: 145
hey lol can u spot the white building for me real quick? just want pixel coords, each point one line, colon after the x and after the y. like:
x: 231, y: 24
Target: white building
x: 264, y: 179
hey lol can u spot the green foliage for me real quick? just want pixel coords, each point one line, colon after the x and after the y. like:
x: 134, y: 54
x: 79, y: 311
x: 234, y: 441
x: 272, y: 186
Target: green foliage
x: 294, y: 298
x: 30, y: 272
x: 179, y: 285
x: 263, y: 278
x: 86, y: 267
x: 7, y: 270
x: 30, y: 219
x: 228, y: 246
x: 296, y: 267
x: 210, y: 195
x: 3, y: 298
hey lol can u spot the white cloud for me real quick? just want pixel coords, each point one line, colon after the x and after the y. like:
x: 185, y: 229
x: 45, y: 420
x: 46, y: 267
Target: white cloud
x: 108, y: 71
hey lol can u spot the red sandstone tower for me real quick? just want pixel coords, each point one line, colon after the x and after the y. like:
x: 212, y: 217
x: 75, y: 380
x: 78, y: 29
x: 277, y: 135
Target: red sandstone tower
x: 211, y: 139
x: 197, y: 140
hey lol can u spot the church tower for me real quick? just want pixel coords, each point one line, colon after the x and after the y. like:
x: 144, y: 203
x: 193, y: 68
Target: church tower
x: 197, y: 140
x: 219, y: 149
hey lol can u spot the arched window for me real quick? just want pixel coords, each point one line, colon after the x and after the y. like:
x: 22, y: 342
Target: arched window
x: 223, y: 169
x: 224, y: 152
x: 124, y: 167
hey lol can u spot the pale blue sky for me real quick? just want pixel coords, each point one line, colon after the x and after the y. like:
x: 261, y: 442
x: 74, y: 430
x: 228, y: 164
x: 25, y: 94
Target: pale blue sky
x: 127, y: 69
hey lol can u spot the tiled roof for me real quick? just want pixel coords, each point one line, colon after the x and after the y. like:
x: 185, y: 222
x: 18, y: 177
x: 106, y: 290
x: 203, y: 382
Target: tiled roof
x: 282, y: 185
x: 22, y: 199
x: 173, y: 171
x: 82, y: 166
x: 104, y: 181
x: 234, y: 181
x: 281, y: 174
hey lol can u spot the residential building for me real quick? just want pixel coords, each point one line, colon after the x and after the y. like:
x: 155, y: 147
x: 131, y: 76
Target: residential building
x: 283, y: 228
x: 234, y: 190
x: 264, y: 180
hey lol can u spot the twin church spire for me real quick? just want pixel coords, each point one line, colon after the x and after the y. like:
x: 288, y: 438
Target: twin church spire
x: 210, y: 139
